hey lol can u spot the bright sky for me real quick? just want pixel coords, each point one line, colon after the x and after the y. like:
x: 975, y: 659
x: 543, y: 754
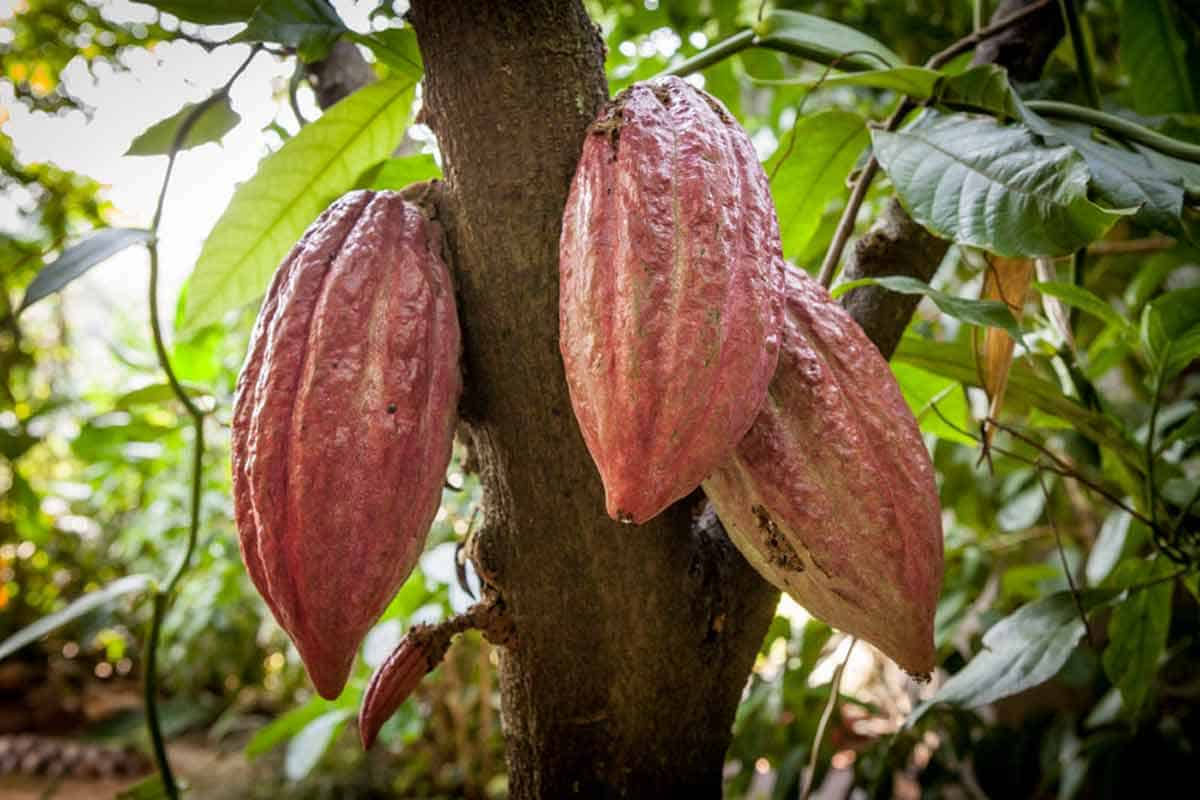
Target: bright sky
x: 155, y: 86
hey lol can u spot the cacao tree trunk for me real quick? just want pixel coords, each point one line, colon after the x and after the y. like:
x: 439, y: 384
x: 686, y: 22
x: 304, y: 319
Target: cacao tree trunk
x: 632, y: 644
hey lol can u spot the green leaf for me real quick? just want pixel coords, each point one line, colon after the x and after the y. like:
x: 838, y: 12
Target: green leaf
x: 989, y: 313
x: 1137, y: 632
x: 396, y: 173
x: 310, y: 26
x: 1110, y: 544
x: 992, y: 186
x: 269, y: 212
x: 1023, y: 650
x: 813, y: 173
x: 982, y: 88
x: 922, y: 390
x: 1085, y: 300
x: 824, y: 41
x: 1155, y: 56
x: 77, y: 259
x: 130, y: 584
x: 305, y: 750
x: 292, y: 722
x: 1025, y: 390
x: 396, y: 47
x: 1184, y: 350
x: 216, y: 120
x: 1122, y: 178
x: 206, y: 12
x: 148, y: 788
x: 155, y: 394
x: 916, y: 82
x: 1166, y: 326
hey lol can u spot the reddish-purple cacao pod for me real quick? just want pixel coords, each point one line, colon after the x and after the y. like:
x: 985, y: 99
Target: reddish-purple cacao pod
x: 343, y: 423
x: 417, y: 654
x: 831, y: 496
x: 670, y: 268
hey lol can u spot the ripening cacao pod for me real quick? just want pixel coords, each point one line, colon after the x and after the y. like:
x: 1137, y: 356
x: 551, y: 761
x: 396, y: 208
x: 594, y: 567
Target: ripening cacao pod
x: 421, y: 649
x: 831, y: 496
x: 670, y: 278
x: 343, y: 423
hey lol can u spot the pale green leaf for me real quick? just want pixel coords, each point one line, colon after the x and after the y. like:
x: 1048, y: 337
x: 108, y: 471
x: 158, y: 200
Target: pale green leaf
x: 306, y: 748
x: 216, y: 120
x: 1085, y: 300
x: 292, y: 186
x: 813, y: 172
x: 206, y: 12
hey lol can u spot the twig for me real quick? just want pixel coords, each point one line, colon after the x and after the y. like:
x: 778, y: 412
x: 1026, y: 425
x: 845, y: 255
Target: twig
x: 162, y: 596
x: 1062, y: 556
x: 1129, y: 246
x: 841, y: 236
x: 835, y: 688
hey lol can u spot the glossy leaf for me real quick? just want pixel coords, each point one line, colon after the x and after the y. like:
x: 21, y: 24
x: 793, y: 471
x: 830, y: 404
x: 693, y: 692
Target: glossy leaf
x: 216, y: 120
x: 992, y: 186
x: 269, y: 212
x: 305, y: 750
x: 974, y: 312
x: 80, y: 257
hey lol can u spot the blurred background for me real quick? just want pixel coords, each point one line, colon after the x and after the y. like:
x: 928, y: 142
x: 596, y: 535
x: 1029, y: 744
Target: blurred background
x: 94, y: 453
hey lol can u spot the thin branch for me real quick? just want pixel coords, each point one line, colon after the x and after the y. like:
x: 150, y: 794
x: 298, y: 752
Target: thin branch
x: 835, y: 688
x: 162, y: 596
x: 1131, y: 246
x: 713, y: 55
x: 1062, y: 556
x: 1083, y: 57
x: 944, y: 57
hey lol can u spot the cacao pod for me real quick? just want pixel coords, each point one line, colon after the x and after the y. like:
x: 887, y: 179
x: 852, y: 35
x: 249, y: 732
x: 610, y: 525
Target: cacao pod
x: 343, y: 423
x: 831, y: 495
x: 418, y: 653
x: 670, y: 268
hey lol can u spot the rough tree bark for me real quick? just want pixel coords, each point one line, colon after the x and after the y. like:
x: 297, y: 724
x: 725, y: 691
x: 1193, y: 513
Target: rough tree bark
x: 632, y: 644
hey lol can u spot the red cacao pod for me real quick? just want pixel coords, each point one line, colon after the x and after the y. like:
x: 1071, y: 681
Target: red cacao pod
x: 343, y: 423
x: 831, y: 496
x: 421, y: 649
x: 670, y: 269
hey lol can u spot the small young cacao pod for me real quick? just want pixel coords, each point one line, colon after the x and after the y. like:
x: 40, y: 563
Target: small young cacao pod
x: 831, y: 495
x: 418, y: 653
x: 343, y: 423
x: 670, y: 268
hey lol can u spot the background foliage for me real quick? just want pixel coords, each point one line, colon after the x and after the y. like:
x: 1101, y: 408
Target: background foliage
x: 1067, y: 629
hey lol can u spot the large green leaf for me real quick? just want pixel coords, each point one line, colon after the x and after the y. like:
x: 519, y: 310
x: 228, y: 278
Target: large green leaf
x: 916, y: 82
x: 216, y: 120
x: 292, y: 186
x: 1023, y: 650
x: 1121, y: 178
x: 1137, y: 632
x: 1170, y: 328
x: 397, y: 173
x: 77, y: 259
x: 1155, y: 56
x: 207, y: 12
x: 985, y: 88
x: 823, y: 150
x: 305, y: 750
x: 824, y: 41
x: 923, y: 391
x: 992, y: 186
